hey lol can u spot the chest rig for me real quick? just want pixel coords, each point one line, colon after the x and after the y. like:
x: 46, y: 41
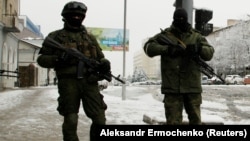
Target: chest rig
x: 81, y: 41
x: 78, y: 40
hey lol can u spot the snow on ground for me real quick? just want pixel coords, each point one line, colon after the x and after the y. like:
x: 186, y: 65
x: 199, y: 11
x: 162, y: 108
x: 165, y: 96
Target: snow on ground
x: 30, y: 113
x: 139, y: 101
x: 131, y: 111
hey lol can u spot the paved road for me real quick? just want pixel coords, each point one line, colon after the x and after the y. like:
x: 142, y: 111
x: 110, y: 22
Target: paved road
x: 230, y: 102
x: 234, y: 98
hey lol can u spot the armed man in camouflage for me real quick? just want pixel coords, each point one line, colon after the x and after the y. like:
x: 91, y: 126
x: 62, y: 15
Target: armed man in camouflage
x: 181, y: 77
x: 72, y: 89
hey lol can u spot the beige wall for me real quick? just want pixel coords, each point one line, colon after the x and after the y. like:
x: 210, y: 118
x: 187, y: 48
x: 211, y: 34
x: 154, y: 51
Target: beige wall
x: 8, y: 8
x: 232, y: 22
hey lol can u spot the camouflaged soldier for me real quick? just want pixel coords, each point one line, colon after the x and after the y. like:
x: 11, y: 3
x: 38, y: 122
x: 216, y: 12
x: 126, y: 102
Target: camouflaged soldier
x: 181, y: 77
x: 74, y: 90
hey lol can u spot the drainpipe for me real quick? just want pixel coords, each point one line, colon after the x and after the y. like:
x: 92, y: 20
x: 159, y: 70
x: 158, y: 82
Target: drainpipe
x: 18, y: 71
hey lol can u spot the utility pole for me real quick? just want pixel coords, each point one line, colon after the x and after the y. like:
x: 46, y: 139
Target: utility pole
x: 124, y: 51
x: 188, y: 6
x: 202, y: 16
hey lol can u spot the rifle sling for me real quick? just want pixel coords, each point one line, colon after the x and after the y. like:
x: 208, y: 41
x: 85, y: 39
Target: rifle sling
x: 179, y: 40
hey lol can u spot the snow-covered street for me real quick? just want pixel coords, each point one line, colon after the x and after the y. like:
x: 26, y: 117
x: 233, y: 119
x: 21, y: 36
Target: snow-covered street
x: 30, y: 114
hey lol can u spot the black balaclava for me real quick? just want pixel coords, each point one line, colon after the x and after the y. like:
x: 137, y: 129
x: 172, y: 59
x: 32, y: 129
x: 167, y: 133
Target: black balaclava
x: 180, y: 19
x: 74, y: 20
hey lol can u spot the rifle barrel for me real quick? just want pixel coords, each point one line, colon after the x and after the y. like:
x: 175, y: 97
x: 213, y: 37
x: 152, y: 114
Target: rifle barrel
x: 118, y: 78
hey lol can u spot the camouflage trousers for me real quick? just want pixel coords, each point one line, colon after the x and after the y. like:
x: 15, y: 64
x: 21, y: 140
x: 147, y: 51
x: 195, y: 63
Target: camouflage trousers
x: 174, y: 105
x: 73, y: 92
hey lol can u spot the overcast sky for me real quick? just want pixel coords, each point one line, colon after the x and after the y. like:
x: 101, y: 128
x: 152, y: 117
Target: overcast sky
x: 140, y: 13
x: 144, y: 17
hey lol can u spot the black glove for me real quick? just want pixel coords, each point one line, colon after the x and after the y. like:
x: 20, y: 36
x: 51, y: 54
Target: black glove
x: 174, y: 51
x: 104, y: 66
x: 194, y: 49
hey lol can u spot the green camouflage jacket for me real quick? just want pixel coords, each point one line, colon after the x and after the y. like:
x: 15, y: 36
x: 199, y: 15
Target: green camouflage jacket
x: 79, y: 39
x: 180, y: 74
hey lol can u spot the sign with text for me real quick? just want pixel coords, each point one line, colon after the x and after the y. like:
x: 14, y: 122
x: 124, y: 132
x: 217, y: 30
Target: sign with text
x: 110, y: 39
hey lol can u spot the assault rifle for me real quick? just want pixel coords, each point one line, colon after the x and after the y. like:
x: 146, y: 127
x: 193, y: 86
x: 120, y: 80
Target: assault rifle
x: 92, y: 64
x: 204, y: 67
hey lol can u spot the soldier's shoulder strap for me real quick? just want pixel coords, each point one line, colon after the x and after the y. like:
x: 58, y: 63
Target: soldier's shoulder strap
x: 59, y: 35
x: 195, y: 33
x: 172, y: 37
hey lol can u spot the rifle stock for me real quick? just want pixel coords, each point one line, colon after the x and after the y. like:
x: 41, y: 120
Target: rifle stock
x: 92, y: 64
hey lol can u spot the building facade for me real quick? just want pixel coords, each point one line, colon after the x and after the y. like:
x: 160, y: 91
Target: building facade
x: 151, y: 66
x: 20, y: 42
x: 232, y: 48
x: 9, y: 24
